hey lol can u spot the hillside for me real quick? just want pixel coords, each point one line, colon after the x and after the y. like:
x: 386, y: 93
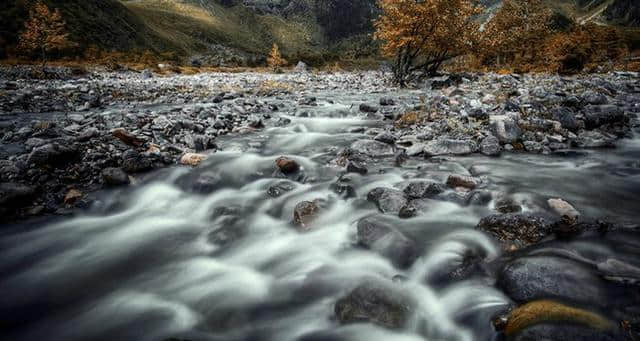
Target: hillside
x: 242, y: 31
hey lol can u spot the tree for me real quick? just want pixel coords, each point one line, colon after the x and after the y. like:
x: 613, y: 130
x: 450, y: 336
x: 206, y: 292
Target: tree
x: 516, y: 30
x: 275, y: 60
x: 422, y: 34
x: 44, y: 32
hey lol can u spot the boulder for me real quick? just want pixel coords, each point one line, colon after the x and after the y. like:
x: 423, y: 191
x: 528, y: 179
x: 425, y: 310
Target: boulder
x: 301, y: 67
x: 386, y: 241
x: 364, y: 107
x: 566, y: 117
x: 563, y: 208
x: 52, y: 154
x: 305, y: 212
x: 356, y: 167
x: 388, y: 200
x: 455, y: 180
x: 385, y: 138
x: 287, y: 165
x: 594, y: 98
x: 192, y: 159
x: 594, y: 139
x: 449, y: 147
x: 114, y: 177
x: 599, y: 115
x: 375, y: 302
x: 544, y: 277
x: 372, y: 148
x: 15, y: 195
x: 505, y: 128
x: 134, y: 162
x: 423, y: 189
x: 490, y: 146
x: 515, y: 228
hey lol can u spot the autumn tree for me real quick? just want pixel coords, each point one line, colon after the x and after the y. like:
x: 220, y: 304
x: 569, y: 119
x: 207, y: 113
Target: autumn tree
x: 275, y: 59
x: 422, y: 34
x: 516, y: 31
x: 44, y: 32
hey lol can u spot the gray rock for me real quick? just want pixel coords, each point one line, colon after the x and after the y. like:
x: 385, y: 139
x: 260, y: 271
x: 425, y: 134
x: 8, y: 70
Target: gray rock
x: 53, y: 154
x: 594, y: 139
x: 566, y: 117
x: 516, y: 228
x: 134, y: 162
x: 301, y: 67
x: 505, y: 128
x: 388, y: 200
x: 533, y: 278
x: 423, y: 189
x: 385, y: 138
x: 450, y: 147
x: 533, y: 146
x: 490, y: 146
x: 372, y: 148
x: 14, y: 195
x: 598, y: 115
x: 356, y: 167
x: 364, y: 107
x: 455, y: 180
x: 594, y: 98
x: 387, y: 241
x: 114, y: 177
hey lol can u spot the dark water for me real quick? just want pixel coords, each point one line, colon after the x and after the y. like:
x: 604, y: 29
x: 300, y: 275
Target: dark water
x: 158, y: 260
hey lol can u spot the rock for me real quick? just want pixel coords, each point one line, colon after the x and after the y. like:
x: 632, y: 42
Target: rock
x: 279, y: 189
x: 372, y: 148
x: 505, y: 128
x: 388, y: 200
x: 386, y: 241
x: 550, y: 312
x: 126, y: 137
x: 72, y: 197
x: 490, y: 146
x: 479, y: 198
x: 566, y: 117
x: 134, y: 162
x: 455, y: 180
x: 599, y: 115
x: 356, y: 167
x: 563, y: 208
x: 385, y: 138
x: 115, y: 177
x: 344, y: 190
x: 565, y: 331
x: 514, y: 227
x: 192, y: 159
x: 533, y: 146
x: 301, y: 67
x: 364, y: 107
x: 88, y: 134
x: 206, y: 183
x: 386, y: 101
x: 286, y: 165
x: 543, y: 277
x: 507, y: 205
x: 14, y: 195
x: 375, y: 302
x: 305, y: 212
x: 594, y: 139
x: 52, y: 154
x: 594, y: 98
x: 423, y: 189
x: 147, y: 74
x: 199, y: 142
x: 449, y: 147
x: 309, y: 100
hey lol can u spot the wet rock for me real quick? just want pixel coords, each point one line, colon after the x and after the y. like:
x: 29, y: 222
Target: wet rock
x: 308, y: 101
x: 14, y: 195
x: 566, y: 117
x: 563, y: 208
x: 287, y: 165
x: 385, y: 138
x: 126, y: 137
x: 206, y: 183
x: 386, y: 241
x: 53, y: 154
x: 192, y: 159
x: 115, y: 177
x: 505, y: 128
x: 375, y: 302
x: 356, y: 167
x: 533, y: 146
x: 594, y: 98
x: 279, y: 189
x: 423, y: 189
x: 490, y: 146
x: 72, y: 197
x: 449, y: 147
x: 479, y: 198
x: 386, y: 101
x: 364, y: 107
x: 388, y: 200
x: 455, y: 180
x: 372, y: 148
x: 134, y: 162
x: 516, y: 228
x: 599, y: 115
x: 594, y: 139
x: 88, y: 134
x: 305, y: 212
x: 548, y: 320
x: 532, y: 278
x: 507, y: 205
x: 344, y: 190
x: 199, y: 143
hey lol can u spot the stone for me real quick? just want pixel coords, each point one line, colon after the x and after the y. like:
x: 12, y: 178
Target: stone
x: 126, y: 137
x: 305, y: 212
x: 599, y: 115
x: 455, y: 180
x: 479, y: 198
x: 385, y: 138
x: 533, y: 146
x: 544, y: 277
x: 387, y: 241
x: 115, y: 177
x: 134, y: 162
x: 356, y: 167
x: 566, y: 117
x: 423, y: 189
x: 563, y: 208
x: 88, y: 134
x: 594, y: 98
x: 505, y: 128
x: 301, y: 67
x: 594, y: 139
x: 388, y: 200
x: 287, y: 165
x: 377, y: 303
x: 364, y: 107
x: 449, y: 147
x: 490, y: 146
x: 373, y: 148
x: 507, y: 205
x: 14, y: 195
x: 192, y: 159
x: 72, y: 197
x: 386, y: 101
x: 279, y: 189
x: 52, y: 154
x: 515, y: 228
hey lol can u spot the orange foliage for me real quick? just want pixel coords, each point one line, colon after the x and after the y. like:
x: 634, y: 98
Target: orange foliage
x: 275, y: 59
x: 421, y: 35
x: 44, y: 32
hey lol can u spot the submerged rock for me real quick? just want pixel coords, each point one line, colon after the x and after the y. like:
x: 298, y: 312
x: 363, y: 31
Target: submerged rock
x: 516, y: 228
x: 305, y: 213
x: 114, y: 177
x: 387, y: 241
x: 372, y: 148
x: 287, y: 165
x: 388, y: 200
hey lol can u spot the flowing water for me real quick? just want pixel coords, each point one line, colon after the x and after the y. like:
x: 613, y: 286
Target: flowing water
x: 159, y: 259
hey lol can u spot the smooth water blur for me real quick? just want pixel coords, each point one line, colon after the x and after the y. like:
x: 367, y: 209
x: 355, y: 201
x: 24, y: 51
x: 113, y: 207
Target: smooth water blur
x: 159, y: 260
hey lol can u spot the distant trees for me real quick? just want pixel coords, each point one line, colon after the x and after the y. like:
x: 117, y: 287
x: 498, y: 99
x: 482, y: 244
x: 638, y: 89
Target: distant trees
x: 44, y: 32
x: 422, y: 34
x: 516, y: 31
x: 275, y: 59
